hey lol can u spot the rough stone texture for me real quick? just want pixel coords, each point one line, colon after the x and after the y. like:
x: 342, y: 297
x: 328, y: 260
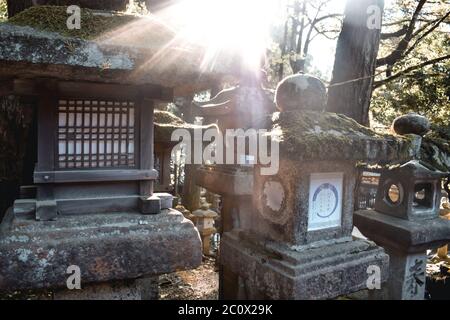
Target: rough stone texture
x: 279, y: 272
x: 138, y: 56
x: 301, y: 91
x: 225, y: 180
x: 411, y: 123
x: 400, y: 234
x: 46, y: 210
x: 166, y: 200
x: 15, y: 7
x: 407, y: 276
x: 410, y: 178
x: 140, y: 289
x: 435, y: 148
x: 290, y: 223
x: 309, y: 135
x: 406, y: 243
x: 106, y: 247
x: 150, y: 205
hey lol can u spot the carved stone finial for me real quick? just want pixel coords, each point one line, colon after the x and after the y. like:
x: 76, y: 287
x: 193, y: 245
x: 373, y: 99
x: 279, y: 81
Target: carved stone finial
x: 301, y: 92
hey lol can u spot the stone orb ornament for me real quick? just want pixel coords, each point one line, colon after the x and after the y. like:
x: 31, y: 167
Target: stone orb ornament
x: 301, y: 92
x: 411, y: 123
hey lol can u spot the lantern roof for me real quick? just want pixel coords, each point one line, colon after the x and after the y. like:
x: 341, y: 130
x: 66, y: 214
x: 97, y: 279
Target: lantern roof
x: 309, y: 135
x: 110, y: 47
x: 166, y: 122
x: 314, y: 135
x: 416, y: 169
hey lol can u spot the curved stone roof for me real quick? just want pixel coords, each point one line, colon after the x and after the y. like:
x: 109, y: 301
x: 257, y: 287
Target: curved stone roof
x: 132, y: 50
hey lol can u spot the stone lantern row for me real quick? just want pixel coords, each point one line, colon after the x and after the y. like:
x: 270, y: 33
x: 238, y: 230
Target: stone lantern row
x: 289, y: 236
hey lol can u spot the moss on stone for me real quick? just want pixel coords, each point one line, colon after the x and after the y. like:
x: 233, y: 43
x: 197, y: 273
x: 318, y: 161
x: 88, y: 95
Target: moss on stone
x: 168, y: 118
x: 435, y: 149
x: 323, y: 135
x: 54, y: 19
x: 166, y: 122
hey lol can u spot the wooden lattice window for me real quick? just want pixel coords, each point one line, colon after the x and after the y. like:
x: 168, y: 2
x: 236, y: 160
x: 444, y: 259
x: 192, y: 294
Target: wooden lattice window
x: 96, y: 134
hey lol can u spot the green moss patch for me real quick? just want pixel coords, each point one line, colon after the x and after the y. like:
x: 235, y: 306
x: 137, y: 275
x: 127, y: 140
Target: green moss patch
x: 435, y: 148
x: 54, y: 19
x: 168, y: 118
x: 329, y: 136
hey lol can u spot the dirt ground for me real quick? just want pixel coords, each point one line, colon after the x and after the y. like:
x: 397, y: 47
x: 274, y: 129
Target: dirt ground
x: 198, y: 284
x: 438, y: 279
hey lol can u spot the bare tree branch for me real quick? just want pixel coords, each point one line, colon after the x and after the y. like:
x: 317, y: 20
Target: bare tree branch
x: 397, y: 54
x: 380, y: 83
x: 395, y: 34
x: 423, y: 36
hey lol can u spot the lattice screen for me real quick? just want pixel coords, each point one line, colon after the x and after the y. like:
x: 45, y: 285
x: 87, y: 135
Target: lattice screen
x: 96, y: 134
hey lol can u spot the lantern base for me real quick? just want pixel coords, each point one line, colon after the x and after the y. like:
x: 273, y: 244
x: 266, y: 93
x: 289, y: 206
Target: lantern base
x: 276, y: 271
x: 406, y: 242
x: 400, y: 234
x: 105, y: 248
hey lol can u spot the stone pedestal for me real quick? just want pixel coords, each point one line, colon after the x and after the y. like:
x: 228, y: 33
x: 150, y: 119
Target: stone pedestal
x: 406, y: 223
x: 406, y: 243
x: 105, y: 247
x: 269, y: 270
x: 234, y: 184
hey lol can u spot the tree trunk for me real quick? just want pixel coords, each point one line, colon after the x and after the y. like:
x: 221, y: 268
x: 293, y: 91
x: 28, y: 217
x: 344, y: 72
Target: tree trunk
x: 356, y: 53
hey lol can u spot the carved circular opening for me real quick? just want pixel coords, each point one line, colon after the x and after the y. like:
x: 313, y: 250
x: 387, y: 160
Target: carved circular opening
x: 420, y: 195
x: 273, y: 201
x: 394, y: 194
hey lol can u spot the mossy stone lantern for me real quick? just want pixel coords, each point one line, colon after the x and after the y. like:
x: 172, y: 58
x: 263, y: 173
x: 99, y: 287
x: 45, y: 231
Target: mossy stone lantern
x: 406, y: 219
x: 410, y: 191
x: 297, y: 241
x: 94, y: 177
x: 204, y: 221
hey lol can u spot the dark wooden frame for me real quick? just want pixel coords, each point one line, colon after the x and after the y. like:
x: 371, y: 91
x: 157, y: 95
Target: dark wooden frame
x: 50, y: 179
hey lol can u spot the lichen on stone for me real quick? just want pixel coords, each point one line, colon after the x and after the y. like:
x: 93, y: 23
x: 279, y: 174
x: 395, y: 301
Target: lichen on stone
x: 167, y: 118
x: 165, y: 123
x: 435, y: 149
x: 312, y: 135
x: 54, y: 19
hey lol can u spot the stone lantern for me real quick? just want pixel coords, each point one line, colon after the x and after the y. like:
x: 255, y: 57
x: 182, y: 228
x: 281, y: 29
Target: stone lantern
x: 410, y: 191
x: 406, y: 218
x: 204, y: 221
x: 92, y: 204
x: 296, y: 242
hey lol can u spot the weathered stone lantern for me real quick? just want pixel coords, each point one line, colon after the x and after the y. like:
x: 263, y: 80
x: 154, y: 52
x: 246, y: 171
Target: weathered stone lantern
x: 241, y: 107
x: 204, y: 221
x: 95, y: 206
x: 410, y: 191
x: 296, y: 242
x: 406, y: 221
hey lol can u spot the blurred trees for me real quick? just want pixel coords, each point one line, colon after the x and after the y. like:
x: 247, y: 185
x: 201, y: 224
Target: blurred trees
x: 413, y: 68
x: 303, y: 22
x: 413, y: 65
